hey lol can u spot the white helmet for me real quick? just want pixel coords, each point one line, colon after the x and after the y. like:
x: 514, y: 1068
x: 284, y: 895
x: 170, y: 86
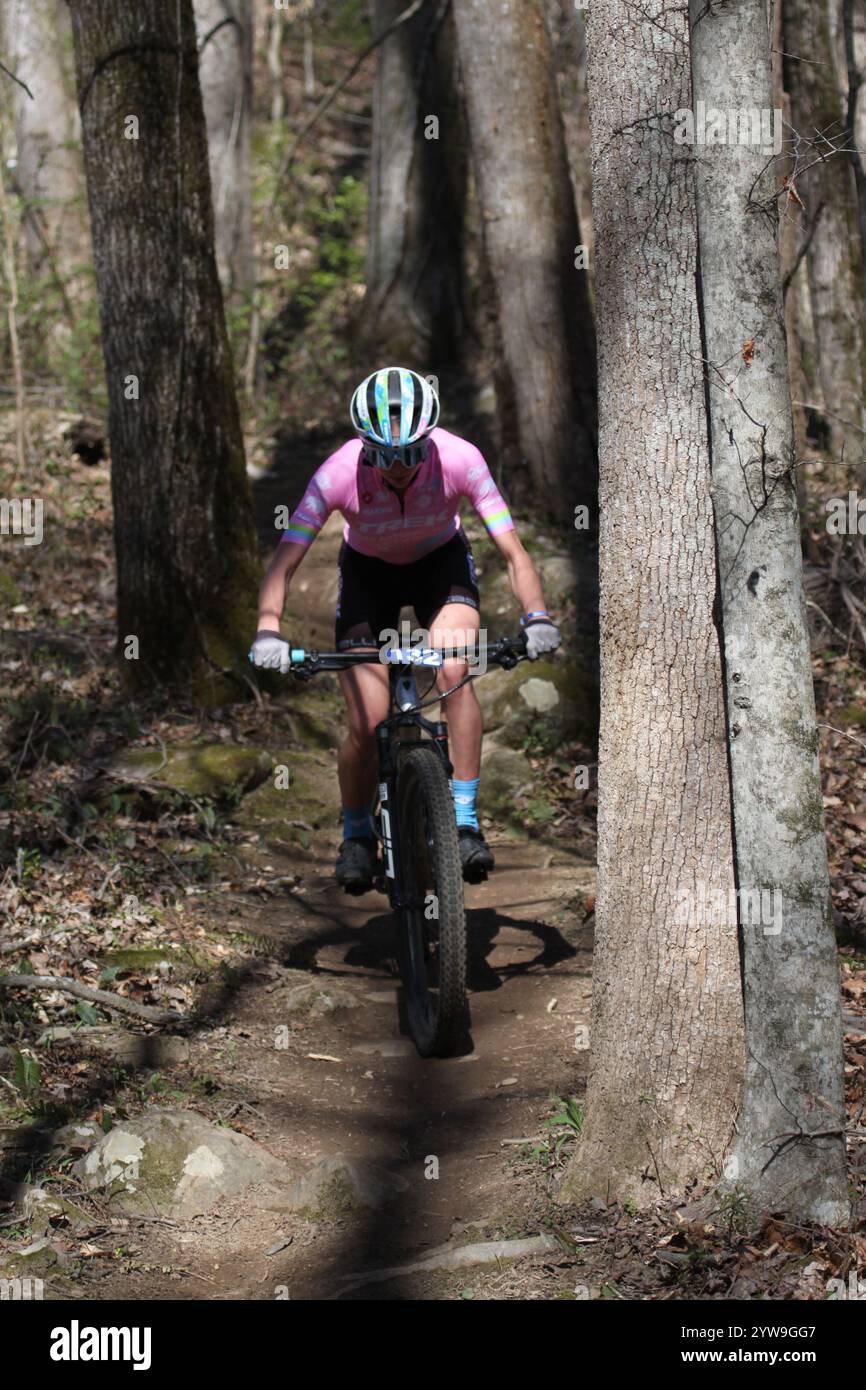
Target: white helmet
x: 383, y: 393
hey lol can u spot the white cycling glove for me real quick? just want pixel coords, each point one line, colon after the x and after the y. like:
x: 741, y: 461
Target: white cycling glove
x: 270, y: 652
x: 541, y: 636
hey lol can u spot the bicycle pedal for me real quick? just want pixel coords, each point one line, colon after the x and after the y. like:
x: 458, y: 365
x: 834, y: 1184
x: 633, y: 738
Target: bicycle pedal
x: 471, y: 874
x: 357, y: 890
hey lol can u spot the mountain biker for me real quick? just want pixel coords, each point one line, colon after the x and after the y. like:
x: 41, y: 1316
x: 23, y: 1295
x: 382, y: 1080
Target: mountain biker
x: 398, y: 485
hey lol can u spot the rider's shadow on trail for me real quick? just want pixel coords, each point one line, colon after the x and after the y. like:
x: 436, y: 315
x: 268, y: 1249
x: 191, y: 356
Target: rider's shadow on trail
x: 483, y: 925
x: 375, y: 945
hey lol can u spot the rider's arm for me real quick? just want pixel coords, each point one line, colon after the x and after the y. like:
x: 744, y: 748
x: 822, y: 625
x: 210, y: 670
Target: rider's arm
x: 480, y: 488
x: 522, y: 573
x: 275, y: 585
x: 304, y: 525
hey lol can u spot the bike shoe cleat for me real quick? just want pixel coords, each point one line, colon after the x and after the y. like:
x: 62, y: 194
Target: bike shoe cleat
x: 476, y: 855
x: 356, y: 864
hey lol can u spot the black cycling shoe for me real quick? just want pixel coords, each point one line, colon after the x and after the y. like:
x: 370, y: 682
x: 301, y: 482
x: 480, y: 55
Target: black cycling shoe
x: 476, y: 855
x: 356, y: 864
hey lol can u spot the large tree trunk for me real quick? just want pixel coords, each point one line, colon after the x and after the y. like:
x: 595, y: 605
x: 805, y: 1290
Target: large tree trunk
x: 531, y: 236
x: 224, y: 30
x: 567, y: 26
x: 667, y: 1029
x: 49, y: 171
x: 794, y: 274
x: 789, y: 1154
x: 834, y: 258
x: 186, y: 567
x: 414, y: 307
x: 854, y: 47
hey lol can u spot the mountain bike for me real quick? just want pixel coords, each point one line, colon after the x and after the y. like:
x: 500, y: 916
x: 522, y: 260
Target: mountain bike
x: 418, y: 862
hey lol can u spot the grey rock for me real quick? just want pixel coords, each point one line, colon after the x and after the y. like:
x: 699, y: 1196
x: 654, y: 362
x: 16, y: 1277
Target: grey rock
x: 537, y: 695
x: 339, y: 1184
x: 75, y: 1138
x: 173, y: 1163
x: 558, y: 578
x: 318, y: 999
x: 42, y: 1207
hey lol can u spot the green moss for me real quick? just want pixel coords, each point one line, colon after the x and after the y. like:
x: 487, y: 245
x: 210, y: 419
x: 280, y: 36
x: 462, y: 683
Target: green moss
x: 138, y: 958
x: 312, y: 796
x: 805, y: 736
x: 503, y: 773
x: 807, y: 820
x: 853, y: 714
x: 334, y: 1202
x: 221, y: 771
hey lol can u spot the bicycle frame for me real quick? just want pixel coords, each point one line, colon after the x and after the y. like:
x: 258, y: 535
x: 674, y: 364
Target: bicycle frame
x: 405, y: 723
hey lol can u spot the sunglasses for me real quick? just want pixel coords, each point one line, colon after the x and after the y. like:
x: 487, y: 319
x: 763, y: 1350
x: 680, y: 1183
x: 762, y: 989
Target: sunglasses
x: 386, y: 455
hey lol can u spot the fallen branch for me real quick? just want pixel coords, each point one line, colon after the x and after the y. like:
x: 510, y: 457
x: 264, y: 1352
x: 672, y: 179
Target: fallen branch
x: 483, y: 1252
x: 93, y: 996
x: 9, y: 948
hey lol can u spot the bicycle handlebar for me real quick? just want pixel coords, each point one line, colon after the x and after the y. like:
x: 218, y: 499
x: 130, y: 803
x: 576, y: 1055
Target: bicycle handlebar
x: 505, y: 652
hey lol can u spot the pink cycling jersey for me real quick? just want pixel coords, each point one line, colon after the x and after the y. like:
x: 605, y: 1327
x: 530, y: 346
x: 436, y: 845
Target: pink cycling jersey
x: 400, y: 527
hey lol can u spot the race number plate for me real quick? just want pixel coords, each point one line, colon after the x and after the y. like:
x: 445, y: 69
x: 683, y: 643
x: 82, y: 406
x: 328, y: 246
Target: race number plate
x: 412, y: 656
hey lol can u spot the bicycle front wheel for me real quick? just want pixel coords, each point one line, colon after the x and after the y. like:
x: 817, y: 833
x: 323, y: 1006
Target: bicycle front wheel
x: 432, y: 920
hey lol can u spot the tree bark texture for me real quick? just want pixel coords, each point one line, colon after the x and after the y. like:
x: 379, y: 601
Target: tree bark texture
x: 186, y: 556
x: 789, y: 1153
x: 666, y: 1042
x: 531, y: 236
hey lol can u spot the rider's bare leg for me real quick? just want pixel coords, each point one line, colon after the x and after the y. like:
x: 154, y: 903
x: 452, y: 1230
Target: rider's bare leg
x: 365, y: 690
x: 456, y: 625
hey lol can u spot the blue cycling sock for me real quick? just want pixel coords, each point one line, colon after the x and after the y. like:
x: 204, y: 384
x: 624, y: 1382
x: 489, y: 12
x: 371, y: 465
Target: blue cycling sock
x: 465, y: 795
x: 357, y: 823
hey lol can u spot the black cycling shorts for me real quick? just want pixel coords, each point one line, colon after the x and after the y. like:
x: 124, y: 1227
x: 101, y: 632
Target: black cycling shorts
x: 372, y: 592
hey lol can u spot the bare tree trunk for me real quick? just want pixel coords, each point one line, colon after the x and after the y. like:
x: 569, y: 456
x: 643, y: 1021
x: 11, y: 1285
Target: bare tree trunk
x: 791, y: 252
x: 49, y: 170
x: 414, y: 306
x: 531, y: 236
x: 666, y: 1039
x: 224, y: 31
x: 10, y: 275
x: 309, y: 59
x: 834, y: 259
x: 275, y: 64
x: 567, y: 27
x: 789, y: 1154
x: 186, y: 555
x: 855, y: 114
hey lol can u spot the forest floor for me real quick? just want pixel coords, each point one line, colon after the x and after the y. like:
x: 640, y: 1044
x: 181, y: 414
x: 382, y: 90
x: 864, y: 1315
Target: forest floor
x: 226, y: 910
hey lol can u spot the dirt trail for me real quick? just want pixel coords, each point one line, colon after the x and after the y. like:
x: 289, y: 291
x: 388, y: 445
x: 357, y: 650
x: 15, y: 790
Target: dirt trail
x: 376, y: 1100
